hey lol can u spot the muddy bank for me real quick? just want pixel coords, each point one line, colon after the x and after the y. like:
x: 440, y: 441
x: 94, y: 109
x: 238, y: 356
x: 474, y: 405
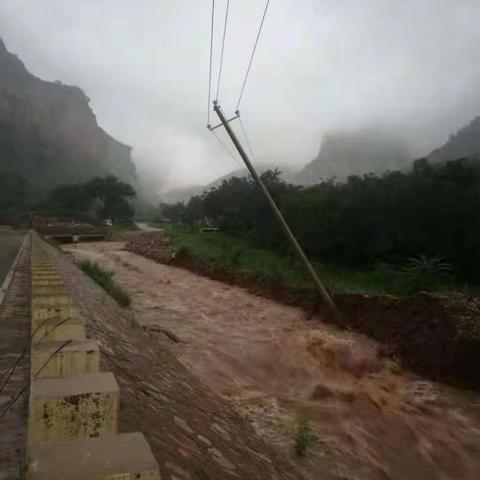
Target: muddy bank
x: 436, y: 335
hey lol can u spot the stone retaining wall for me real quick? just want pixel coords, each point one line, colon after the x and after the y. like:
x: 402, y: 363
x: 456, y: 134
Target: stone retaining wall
x: 73, y: 408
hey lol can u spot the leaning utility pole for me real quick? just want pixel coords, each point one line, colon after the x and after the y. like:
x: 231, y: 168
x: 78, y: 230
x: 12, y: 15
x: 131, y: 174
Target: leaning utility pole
x: 291, y: 237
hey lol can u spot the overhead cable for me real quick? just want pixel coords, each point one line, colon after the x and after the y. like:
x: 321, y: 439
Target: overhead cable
x: 11, y: 370
x: 253, y: 54
x: 10, y: 404
x: 223, y: 48
x: 210, y: 70
x: 246, y: 138
x: 227, y: 149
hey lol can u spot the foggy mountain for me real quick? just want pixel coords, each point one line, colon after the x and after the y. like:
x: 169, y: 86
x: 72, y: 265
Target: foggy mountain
x: 357, y: 152
x: 184, y: 194
x: 354, y: 153
x: 341, y: 154
x: 464, y: 144
x: 49, y: 134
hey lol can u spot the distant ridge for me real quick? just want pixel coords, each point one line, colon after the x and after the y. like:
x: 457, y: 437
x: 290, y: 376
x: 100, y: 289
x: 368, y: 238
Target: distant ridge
x: 184, y: 194
x: 354, y: 153
x: 463, y: 144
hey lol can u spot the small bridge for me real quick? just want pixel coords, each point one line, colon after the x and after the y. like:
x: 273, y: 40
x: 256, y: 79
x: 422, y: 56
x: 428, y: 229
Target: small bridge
x: 73, y: 233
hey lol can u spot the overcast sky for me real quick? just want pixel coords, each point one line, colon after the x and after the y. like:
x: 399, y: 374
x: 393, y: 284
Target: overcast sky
x: 411, y: 65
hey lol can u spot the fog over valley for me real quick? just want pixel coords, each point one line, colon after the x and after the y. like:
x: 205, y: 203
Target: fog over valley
x: 408, y: 70
x: 250, y: 230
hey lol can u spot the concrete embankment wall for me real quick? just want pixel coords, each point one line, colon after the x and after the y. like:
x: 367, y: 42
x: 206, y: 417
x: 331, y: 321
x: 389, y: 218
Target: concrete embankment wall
x: 73, y: 407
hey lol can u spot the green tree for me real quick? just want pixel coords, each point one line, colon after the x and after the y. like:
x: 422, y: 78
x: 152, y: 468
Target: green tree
x: 72, y: 197
x: 114, y: 196
x: 13, y: 189
x: 430, y: 210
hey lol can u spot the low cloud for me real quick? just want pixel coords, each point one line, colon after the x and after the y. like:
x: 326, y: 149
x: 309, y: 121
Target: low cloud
x: 321, y: 66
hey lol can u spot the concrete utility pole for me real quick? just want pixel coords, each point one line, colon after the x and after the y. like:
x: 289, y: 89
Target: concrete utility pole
x: 291, y: 237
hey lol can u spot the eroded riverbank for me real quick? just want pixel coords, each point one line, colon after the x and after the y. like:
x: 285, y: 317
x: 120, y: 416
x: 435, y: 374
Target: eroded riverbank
x: 373, y: 421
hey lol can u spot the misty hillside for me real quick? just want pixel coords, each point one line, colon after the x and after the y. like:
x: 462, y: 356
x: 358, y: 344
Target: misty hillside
x: 185, y: 193
x: 354, y: 153
x: 464, y: 144
x: 49, y: 134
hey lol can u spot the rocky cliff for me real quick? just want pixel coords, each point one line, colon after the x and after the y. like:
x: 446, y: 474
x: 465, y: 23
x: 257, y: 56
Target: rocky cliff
x: 464, y: 144
x: 354, y: 153
x: 49, y: 133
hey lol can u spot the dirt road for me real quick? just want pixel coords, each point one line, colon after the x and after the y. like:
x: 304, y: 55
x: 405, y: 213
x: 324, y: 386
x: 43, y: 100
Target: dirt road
x: 372, y: 421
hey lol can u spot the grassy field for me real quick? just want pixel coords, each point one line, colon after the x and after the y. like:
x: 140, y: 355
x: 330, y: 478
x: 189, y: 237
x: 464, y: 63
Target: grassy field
x: 236, y: 254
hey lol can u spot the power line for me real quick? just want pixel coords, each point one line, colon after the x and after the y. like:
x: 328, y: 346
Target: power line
x: 253, y: 53
x: 54, y: 328
x: 278, y: 214
x: 227, y: 149
x: 41, y: 325
x: 27, y: 385
x: 246, y: 138
x: 223, y: 47
x: 11, y: 370
x: 61, y: 347
x: 210, y: 71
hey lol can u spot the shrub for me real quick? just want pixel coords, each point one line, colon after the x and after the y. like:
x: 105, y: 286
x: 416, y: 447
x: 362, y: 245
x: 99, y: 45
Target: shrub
x: 305, y: 437
x: 424, y: 273
x: 105, y: 280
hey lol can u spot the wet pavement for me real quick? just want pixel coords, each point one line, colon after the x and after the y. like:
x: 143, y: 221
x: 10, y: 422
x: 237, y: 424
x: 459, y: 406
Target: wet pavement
x: 10, y: 242
x: 14, y: 369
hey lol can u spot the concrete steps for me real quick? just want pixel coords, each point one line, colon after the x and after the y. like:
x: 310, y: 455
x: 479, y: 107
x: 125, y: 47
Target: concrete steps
x: 50, y: 289
x: 126, y: 456
x: 73, y: 408
x: 58, y: 328
x: 44, y: 312
x: 77, y: 358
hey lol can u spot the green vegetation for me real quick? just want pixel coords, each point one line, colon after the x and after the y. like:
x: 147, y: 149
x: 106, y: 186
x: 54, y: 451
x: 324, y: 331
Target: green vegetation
x: 13, y: 189
x: 305, y: 437
x: 113, y: 196
x: 105, y: 280
x: 238, y: 255
x: 14, y: 200
x: 393, y: 232
x: 91, y: 202
x: 104, y: 198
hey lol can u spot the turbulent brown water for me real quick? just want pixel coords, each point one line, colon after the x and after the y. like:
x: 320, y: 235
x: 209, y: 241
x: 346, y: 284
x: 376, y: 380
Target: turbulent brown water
x: 373, y: 421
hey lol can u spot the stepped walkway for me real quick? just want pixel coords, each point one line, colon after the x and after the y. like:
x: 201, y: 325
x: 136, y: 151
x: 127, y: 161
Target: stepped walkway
x: 69, y: 429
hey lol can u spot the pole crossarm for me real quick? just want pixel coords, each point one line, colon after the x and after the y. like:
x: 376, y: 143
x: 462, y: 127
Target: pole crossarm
x: 278, y: 214
x: 237, y: 115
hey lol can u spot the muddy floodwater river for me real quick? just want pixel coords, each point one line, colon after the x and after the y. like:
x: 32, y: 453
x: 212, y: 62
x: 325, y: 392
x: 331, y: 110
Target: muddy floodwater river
x: 372, y: 420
